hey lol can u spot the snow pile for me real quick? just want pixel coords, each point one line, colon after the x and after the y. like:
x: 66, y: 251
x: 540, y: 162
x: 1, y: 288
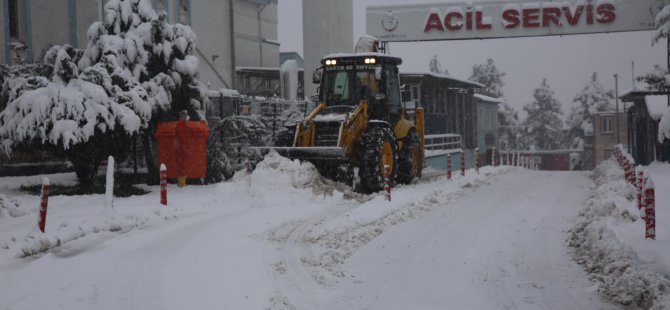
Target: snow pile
x: 608, y: 240
x: 36, y: 242
x: 275, y: 174
x: 10, y: 207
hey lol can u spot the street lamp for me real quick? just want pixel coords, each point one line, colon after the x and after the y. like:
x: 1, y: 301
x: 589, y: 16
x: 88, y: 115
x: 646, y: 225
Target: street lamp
x: 616, y: 90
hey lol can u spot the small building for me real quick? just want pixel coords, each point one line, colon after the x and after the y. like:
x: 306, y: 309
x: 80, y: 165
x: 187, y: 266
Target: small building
x: 448, y: 103
x: 487, y: 125
x: 604, y: 135
x: 644, y: 112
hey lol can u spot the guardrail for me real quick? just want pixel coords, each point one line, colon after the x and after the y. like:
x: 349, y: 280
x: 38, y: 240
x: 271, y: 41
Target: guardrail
x: 441, y: 144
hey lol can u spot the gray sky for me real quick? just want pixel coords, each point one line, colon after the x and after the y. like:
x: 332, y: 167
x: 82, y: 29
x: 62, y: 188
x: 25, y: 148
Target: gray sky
x: 567, y: 62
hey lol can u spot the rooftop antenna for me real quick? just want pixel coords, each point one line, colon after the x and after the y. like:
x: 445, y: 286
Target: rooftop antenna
x: 633, y: 72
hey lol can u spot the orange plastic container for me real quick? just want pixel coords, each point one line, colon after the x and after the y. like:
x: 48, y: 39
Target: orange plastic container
x: 188, y: 158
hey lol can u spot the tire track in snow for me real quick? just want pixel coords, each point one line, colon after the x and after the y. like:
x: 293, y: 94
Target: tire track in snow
x: 312, y: 256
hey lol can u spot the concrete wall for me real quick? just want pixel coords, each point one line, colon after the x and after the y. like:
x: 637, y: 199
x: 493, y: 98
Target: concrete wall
x: 51, y: 25
x: 328, y: 28
x: 213, y: 47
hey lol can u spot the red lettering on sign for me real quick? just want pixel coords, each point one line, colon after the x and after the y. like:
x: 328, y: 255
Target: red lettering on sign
x: 606, y: 13
x: 511, y: 18
x: 573, y: 17
x: 448, y: 21
x: 531, y: 18
x: 551, y: 15
x: 480, y: 21
x: 589, y: 14
x: 468, y: 20
x: 433, y: 22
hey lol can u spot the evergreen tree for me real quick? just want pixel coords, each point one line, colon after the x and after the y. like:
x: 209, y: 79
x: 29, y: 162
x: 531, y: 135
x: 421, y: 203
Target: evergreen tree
x: 488, y: 75
x: 593, y: 98
x: 136, y: 70
x: 509, y: 130
x: 543, y: 127
x: 436, y: 67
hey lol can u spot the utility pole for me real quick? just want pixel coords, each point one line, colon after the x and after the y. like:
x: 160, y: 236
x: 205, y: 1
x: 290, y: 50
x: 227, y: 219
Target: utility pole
x: 616, y: 90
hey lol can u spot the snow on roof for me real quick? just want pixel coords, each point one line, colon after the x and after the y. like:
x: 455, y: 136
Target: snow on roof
x: 637, y: 88
x: 656, y: 105
x: 260, y: 69
x: 488, y: 99
x: 443, y: 76
x: 365, y: 54
x: 223, y: 92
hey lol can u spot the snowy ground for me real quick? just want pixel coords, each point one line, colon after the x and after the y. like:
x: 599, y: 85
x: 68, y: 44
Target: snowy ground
x: 283, y: 238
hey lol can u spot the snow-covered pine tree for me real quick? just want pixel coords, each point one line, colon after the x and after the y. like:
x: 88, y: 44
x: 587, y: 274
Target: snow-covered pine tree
x: 156, y: 54
x: 509, y: 130
x: 86, y: 114
x: 593, y: 98
x: 543, y: 127
x: 488, y: 75
x: 435, y: 66
x: 136, y: 70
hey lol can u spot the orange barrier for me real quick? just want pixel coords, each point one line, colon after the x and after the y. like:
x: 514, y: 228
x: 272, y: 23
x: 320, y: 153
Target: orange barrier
x: 182, y: 146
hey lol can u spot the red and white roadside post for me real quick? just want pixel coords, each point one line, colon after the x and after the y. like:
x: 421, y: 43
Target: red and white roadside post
x: 163, y: 185
x: 507, y: 151
x: 500, y: 162
x: 630, y: 172
x: 639, y: 185
x: 449, y: 166
x: 387, y: 182
x: 462, y: 163
x: 477, y: 160
x: 650, y: 208
x: 44, y: 203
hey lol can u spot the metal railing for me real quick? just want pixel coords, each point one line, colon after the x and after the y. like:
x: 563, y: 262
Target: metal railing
x: 441, y: 144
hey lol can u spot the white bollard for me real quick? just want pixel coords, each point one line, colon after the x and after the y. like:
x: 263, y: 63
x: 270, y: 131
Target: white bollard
x: 109, y: 185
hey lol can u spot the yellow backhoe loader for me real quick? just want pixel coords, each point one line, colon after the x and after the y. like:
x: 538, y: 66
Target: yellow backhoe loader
x: 359, y: 124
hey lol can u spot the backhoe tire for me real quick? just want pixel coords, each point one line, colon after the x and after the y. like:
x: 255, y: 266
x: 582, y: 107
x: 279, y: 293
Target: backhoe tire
x: 410, y: 161
x: 377, y: 147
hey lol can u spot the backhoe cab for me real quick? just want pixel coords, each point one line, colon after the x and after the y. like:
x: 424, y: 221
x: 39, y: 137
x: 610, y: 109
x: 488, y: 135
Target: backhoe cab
x: 360, y: 122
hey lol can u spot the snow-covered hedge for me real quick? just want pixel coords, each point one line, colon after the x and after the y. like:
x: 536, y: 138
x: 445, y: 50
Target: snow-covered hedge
x: 600, y: 244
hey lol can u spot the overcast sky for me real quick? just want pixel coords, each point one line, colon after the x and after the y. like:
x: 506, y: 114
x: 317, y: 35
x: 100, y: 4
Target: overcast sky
x: 567, y: 62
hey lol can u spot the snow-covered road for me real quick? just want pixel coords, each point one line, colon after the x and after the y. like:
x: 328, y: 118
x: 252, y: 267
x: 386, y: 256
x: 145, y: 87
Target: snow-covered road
x: 490, y: 241
x: 501, y: 247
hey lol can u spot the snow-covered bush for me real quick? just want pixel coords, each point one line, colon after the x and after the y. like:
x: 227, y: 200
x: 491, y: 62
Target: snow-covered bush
x: 228, y: 141
x: 619, y: 274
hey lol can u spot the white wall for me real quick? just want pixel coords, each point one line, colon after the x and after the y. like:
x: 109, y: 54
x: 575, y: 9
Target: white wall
x: 327, y: 28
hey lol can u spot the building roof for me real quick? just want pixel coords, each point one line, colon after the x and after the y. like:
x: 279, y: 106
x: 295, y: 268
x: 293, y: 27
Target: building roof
x: 638, y: 90
x: 488, y: 99
x: 443, y: 76
x: 656, y: 105
x: 284, y: 56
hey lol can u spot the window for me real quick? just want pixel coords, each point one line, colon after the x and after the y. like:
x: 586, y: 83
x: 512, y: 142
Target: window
x: 184, y: 9
x: 607, y: 125
x: 13, y: 9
